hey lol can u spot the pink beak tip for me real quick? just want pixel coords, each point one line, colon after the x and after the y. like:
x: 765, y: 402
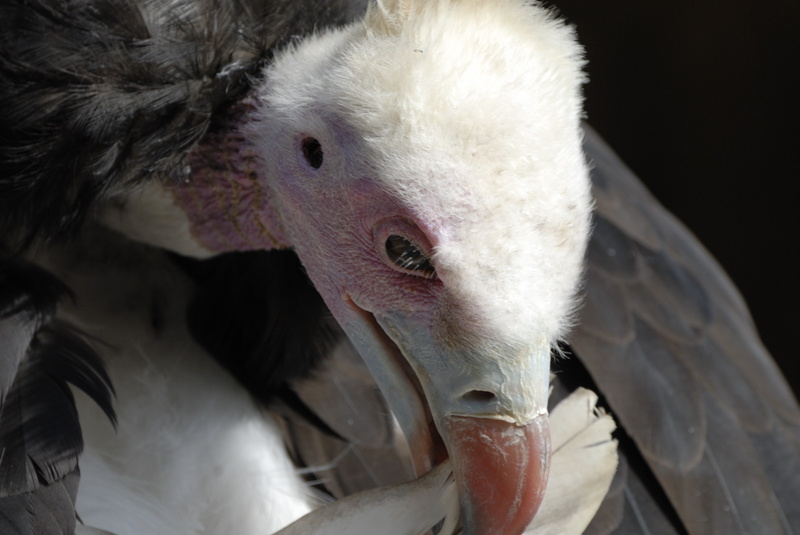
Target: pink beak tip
x: 501, y: 470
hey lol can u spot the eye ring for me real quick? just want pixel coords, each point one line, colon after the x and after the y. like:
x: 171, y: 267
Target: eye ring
x: 404, y: 254
x: 312, y: 151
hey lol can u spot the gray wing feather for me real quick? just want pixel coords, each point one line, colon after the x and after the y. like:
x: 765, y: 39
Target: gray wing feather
x: 369, y: 450
x: 629, y: 507
x: 671, y: 345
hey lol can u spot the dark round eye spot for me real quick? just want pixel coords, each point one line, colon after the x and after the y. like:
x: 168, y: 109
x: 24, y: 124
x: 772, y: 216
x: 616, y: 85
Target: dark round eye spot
x: 406, y: 255
x: 312, y: 152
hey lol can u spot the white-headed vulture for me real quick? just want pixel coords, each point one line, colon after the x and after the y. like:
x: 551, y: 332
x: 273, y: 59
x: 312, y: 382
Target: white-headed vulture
x: 354, y: 269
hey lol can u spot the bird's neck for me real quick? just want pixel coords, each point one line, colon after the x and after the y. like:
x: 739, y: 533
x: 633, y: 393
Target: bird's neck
x: 225, y: 195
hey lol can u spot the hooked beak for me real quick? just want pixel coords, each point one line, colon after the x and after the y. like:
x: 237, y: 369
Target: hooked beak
x: 482, y: 405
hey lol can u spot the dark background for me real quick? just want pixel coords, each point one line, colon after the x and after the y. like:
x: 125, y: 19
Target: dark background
x: 701, y: 101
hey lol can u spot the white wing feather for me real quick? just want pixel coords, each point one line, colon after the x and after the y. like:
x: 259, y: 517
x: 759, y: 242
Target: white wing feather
x: 583, y: 465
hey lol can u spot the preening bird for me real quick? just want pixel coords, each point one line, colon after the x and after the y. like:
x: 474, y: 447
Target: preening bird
x: 225, y: 222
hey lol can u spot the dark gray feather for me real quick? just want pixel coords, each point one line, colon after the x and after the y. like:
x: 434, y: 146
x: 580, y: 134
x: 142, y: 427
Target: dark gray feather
x: 670, y: 344
x: 28, y: 299
x: 48, y: 510
x: 40, y: 436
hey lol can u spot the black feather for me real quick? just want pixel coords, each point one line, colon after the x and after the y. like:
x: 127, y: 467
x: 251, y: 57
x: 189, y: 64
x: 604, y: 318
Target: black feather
x: 29, y: 291
x: 96, y: 95
x: 28, y: 299
x: 259, y: 316
x: 40, y: 435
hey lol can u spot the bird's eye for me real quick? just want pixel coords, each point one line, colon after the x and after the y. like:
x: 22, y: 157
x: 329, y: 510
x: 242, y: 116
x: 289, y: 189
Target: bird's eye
x: 312, y: 152
x: 408, y: 256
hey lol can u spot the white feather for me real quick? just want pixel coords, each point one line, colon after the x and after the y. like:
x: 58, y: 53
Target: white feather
x: 406, y: 509
x: 192, y: 452
x: 149, y: 214
x: 88, y: 530
x: 583, y: 465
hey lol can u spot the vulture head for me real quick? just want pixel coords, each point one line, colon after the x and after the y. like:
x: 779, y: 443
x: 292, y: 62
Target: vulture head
x: 425, y: 164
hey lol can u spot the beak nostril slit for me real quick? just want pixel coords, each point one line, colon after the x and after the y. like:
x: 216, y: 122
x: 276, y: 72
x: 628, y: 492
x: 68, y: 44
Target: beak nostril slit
x: 479, y: 397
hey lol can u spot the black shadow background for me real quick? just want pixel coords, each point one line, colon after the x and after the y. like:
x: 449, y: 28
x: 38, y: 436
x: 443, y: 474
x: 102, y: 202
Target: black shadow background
x: 701, y: 101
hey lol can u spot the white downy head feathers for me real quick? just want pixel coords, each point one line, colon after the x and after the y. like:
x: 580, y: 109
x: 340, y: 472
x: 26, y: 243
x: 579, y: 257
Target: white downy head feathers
x: 469, y: 113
